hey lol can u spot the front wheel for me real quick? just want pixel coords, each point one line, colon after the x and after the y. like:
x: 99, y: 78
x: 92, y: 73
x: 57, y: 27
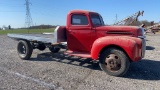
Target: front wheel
x: 24, y: 49
x: 114, y: 62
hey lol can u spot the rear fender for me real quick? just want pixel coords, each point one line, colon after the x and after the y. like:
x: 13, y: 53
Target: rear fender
x: 130, y: 45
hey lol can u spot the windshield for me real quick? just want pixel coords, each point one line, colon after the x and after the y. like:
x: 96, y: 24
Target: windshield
x: 96, y: 19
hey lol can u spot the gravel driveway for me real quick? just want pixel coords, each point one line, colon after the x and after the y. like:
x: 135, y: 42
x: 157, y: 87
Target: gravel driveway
x: 47, y: 71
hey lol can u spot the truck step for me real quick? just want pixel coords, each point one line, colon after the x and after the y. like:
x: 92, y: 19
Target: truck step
x: 79, y: 54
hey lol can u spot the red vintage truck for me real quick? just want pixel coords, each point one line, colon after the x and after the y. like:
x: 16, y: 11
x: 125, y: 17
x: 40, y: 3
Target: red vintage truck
x: 86, y: 35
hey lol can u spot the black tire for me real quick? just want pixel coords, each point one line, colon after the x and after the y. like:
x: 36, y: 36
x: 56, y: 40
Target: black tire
x: 24, y: 49
x: 114, y: 62
x: 54, y: 49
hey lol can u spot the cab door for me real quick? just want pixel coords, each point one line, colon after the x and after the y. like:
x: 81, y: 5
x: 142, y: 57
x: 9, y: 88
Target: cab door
x: 80, y: 33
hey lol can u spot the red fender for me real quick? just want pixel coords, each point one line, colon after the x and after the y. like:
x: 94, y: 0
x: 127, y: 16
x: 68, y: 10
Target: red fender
x: 131, y: 45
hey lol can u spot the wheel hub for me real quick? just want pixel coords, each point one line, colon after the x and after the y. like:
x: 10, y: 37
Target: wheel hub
x: 112, y: 62
x: 22, y: 49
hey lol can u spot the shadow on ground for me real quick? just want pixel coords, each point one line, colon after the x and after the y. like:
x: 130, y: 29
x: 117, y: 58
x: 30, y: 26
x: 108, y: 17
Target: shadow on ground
x: 150, y: 48
x: 142, y: 70
x: 72, y: 60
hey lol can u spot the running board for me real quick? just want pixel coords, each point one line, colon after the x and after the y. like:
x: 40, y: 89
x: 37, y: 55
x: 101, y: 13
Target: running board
x: 79, y: 54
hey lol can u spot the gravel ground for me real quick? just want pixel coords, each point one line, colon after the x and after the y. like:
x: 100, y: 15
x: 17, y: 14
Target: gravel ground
x: 46, y: 71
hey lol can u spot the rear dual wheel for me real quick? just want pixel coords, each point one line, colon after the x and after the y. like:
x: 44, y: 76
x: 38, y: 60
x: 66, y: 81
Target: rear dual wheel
x: 114, y: 62
x: 24, y: 49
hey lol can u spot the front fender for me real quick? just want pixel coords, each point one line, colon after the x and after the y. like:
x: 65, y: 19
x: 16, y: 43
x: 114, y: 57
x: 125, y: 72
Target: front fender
x: 131, y: 46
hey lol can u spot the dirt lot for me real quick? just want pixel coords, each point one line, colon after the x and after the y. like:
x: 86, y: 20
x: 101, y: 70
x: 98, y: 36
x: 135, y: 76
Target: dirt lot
x: 46, y: 71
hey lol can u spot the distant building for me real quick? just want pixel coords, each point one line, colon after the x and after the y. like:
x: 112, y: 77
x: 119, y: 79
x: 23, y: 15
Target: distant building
x: 5, y: 28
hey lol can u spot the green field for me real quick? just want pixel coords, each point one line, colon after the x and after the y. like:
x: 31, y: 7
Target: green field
x: 26, y: 31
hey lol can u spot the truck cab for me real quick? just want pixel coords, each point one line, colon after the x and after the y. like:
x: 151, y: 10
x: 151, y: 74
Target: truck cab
x: 81, y: 29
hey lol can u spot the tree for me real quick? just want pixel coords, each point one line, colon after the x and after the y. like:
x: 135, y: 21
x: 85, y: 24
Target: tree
x: 9, y: 27
x: 147, y: 23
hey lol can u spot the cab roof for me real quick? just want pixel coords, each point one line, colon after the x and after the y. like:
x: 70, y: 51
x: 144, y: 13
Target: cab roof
x: 82, y: 11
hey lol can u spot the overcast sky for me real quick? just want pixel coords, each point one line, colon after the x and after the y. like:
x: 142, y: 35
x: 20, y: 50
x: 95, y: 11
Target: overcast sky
x: 53, y: 12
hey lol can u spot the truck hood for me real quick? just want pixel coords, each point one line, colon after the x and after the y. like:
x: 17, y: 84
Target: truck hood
x: 133, y: 31
x: 117, y: 28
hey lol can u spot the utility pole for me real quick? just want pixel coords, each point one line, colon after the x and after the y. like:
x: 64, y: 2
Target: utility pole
x: 116, y: 18
x: 28, y: 21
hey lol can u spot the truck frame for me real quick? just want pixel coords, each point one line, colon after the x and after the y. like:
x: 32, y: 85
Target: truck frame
x: 85, y: 35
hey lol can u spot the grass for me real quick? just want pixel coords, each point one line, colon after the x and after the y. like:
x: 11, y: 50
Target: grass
x: 26, y: 31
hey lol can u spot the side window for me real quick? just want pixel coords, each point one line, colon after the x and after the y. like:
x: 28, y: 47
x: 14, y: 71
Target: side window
x: 96, y: 19
x: 78, y: 19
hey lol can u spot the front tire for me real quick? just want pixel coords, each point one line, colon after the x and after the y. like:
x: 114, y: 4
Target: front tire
x: 114, y: 62
x: 24, y: 49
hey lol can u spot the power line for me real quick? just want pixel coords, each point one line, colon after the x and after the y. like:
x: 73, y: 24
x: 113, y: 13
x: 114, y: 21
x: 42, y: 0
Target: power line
x: 12, y: 11
x: 28, y: 21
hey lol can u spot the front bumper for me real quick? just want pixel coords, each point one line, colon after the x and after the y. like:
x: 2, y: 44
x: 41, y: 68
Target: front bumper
x: 143, y: 42
x: 143, y: 47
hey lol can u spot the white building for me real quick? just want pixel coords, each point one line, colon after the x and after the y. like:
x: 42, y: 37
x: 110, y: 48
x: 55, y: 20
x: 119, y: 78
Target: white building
x: 5, y: 28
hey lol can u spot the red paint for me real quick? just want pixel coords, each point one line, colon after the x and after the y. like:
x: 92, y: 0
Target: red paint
x: 92, y: 37
x: 130, y: 45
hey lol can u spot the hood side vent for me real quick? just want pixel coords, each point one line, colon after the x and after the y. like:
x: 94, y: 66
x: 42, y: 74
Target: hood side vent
x: 119, y: 32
